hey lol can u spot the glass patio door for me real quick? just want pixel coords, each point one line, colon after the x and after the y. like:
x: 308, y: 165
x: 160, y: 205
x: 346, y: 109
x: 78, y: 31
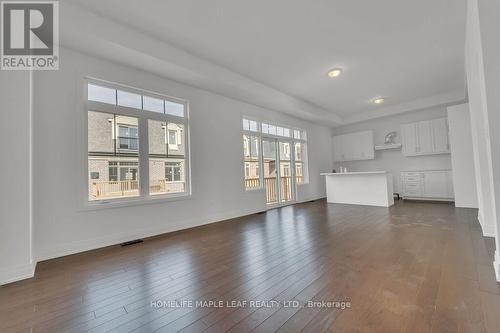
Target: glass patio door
x: 278, y: 181
x: 285, y: 171
x: 269, y: 154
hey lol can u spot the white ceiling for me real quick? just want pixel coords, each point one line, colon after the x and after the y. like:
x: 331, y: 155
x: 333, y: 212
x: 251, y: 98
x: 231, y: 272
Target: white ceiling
x: 404, y: 50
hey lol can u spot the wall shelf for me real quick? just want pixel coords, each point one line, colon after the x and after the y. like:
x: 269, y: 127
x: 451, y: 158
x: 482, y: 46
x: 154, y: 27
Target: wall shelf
x: 391, y: 146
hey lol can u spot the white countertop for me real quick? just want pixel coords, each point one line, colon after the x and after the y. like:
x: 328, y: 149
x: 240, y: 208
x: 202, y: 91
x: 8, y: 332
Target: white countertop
x: 353, y: 173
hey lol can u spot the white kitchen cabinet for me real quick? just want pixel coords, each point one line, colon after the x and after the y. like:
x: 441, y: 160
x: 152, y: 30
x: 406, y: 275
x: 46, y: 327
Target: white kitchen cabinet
x: 430, y: 185
x: 425, y: 137
x: 440, y: 135
x: 353, y: 146
x: 338, y: 148
x: 409, y: 134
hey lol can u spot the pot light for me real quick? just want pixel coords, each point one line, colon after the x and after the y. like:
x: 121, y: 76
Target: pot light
x: 334, y: 72
x: 379, y: 100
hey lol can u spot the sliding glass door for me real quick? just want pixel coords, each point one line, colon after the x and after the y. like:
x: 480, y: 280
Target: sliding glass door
x: 278, y: 178
x: 270, y: 170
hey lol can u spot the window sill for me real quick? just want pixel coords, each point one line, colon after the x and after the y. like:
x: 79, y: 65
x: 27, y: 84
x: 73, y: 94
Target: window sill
x: 137, y: 201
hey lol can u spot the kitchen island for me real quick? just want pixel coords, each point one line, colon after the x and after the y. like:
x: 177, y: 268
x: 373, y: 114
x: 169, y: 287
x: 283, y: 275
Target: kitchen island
x: 373, y: 188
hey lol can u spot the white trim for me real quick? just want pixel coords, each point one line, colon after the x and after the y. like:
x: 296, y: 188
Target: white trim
x: 313, y: 198
x: 260, y: 158
x: 429, y: 199
x: 134, y: 201
x: 17, y: 273
x: 486, y: 230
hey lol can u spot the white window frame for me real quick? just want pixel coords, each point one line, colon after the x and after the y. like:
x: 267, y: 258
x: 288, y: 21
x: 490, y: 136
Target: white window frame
x: 291, y: 139
x: 304, y: 161
x: 257, y: 134
x: 143, y: 117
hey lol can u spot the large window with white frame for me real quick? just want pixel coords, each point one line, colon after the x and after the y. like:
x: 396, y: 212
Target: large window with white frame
x: 137, y: 143
x: 251, y: 153
x: 253, y: 132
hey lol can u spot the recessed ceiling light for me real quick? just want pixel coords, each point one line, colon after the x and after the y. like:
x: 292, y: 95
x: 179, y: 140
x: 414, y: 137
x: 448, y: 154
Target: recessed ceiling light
x: 378, y: 100
x: 335, y: 72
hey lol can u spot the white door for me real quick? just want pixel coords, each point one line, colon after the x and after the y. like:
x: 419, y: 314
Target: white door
x: 424, y: 135
x: 436, y: 184
x: 409, y: 136
x: 440, y: 133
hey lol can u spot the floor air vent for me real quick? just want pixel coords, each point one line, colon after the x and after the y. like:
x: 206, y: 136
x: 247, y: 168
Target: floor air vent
x: 137, y: 241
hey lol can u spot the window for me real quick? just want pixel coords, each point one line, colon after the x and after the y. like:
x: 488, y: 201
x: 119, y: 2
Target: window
x: 292, y: 152
x: 153, y: 104
x: 108, y: 95
x: 299, y: 152
x: 128, y: 137
x: 101, y: 94
x: 117, y: 119
x: 174, y: 109
x: 131, y: 100
x: 251, y: 152
x: 299, y: 134
x: 123, y: 170
x: 250, y: 125
x: 173, y: 171
x: 111, y: 137
x: 275, y: 130
x: 172, y: 137
x: 167, y: 157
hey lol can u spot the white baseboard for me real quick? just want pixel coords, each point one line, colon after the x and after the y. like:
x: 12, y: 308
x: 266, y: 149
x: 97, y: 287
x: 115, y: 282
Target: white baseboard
x: 65, y: 249
x: 488, y: 230
x: 312, y: 199
x: 17, y: 273
x: 428, y: 199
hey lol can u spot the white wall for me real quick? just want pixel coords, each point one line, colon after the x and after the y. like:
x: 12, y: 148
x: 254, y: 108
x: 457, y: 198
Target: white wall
x: 393, y: 160
x: 479, y: 122
x: 483, y: 80
x: 62, y: 227
x: 489, y: 27
x: 15, y: 176
x: 462, y: 156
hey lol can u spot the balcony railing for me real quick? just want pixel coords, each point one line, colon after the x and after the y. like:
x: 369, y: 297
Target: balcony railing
x: 161, y: 186
x: 271, y: 188
x: 127, y: 188
x: 271, y: 192
x: 252, y: 182
x: 111, y: 189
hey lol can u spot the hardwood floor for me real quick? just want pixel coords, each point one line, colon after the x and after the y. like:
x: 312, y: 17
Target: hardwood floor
x: 416, y: 267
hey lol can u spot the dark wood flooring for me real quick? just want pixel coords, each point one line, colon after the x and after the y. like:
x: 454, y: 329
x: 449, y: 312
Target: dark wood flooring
x: 416, y: 267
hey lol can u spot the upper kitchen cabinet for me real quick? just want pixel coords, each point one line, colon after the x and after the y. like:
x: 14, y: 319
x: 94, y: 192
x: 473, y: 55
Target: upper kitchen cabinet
x: 425, y: 137
x: 353, y: 147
